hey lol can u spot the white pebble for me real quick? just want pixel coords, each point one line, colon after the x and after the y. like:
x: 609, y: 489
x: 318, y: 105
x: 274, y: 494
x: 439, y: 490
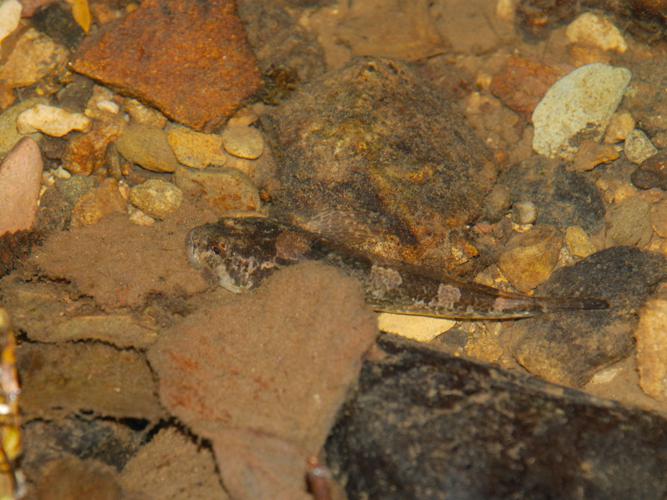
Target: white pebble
x: 108, y: 106
x: 10, y: 15
x: 50, y: 120
x: 581, y: 103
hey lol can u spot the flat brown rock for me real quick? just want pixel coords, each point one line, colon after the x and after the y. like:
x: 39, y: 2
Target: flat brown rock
x: 276, y: 361
x: 189, y: 59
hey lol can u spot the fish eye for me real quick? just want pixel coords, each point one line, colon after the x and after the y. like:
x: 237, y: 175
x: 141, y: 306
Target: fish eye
x: 219, y: 248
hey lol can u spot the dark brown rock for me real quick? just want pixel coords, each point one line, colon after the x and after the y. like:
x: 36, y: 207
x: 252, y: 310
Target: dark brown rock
x: 568, y: 348
x: 373, y: 156
x: 652, y: 173
x: 189, y: 59
x: 562, y: 198
x: 426, y: 424
x: 104, y: 441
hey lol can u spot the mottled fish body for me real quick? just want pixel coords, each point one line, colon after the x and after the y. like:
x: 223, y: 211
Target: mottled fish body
x: 239, y: 253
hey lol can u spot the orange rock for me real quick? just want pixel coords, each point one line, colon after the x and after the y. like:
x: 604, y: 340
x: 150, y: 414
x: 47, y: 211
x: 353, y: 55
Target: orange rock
x: 20, y: 183
x: 189, y: 59
x: 521, y: 83
x: 86, y: 153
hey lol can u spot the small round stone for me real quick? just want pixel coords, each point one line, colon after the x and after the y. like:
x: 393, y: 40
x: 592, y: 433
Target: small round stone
x: 524, y: 212
x: 530, y: 258
x: 244, y: 142
x: 578, y: 242
x: 148, y: 147
x: 628, y: 223
x: 620, y: 126
x: 156, y: 197
x: 638, y: 147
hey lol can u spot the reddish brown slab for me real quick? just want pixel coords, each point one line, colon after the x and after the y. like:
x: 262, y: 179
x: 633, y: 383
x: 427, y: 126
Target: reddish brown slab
x: 189, y: 59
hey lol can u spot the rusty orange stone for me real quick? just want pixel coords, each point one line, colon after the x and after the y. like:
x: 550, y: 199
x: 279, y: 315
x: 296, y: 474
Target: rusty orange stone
x: 191, y: 60
x: 522, y: 83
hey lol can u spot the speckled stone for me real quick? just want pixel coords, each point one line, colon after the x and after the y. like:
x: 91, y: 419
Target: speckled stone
x: 191, y: 60
x: 638, y: 147
x: 156, y: 197
x: 578, y: 107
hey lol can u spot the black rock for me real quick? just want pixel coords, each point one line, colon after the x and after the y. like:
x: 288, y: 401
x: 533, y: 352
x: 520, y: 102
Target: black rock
x: 424, y: 424
x: 569, y: 347
x: 562, y: 198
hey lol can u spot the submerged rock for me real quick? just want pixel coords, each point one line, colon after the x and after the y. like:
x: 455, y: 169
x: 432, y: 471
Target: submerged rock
x: 425, y: 424
x: 382, y: 159
x: 568, y: 348
x: 578, y: 107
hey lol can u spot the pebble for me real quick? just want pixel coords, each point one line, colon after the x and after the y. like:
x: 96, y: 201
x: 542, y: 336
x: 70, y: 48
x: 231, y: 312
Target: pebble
x: 652, y: 173
x: 628, y: 223
x: 497, y: 202
x: 530, y: 258
x: 243, y: 142
x: 144, y: 115
x: 75, y: 187
x: 659, y: 218
x: 35, y: 56
x: 9, y: 136
x: 418, y: 328
x: 596, y: 31
x: 10, y: 15
x: 196, y: 149
x: 651, y: 336
x: 52, y: 121
x: 147, y: 146
x: 591, y: 154
x: 20, y: 184
x: 582, y: 101
x: 524, y: 212
x: 578, y: 242
x: 225, y: 189
x: 156, y: 198
x: 620, y: 126
x: 87, y: 153
x: 99, y: 203
x: 140, y: 218
x: 638, y: 147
